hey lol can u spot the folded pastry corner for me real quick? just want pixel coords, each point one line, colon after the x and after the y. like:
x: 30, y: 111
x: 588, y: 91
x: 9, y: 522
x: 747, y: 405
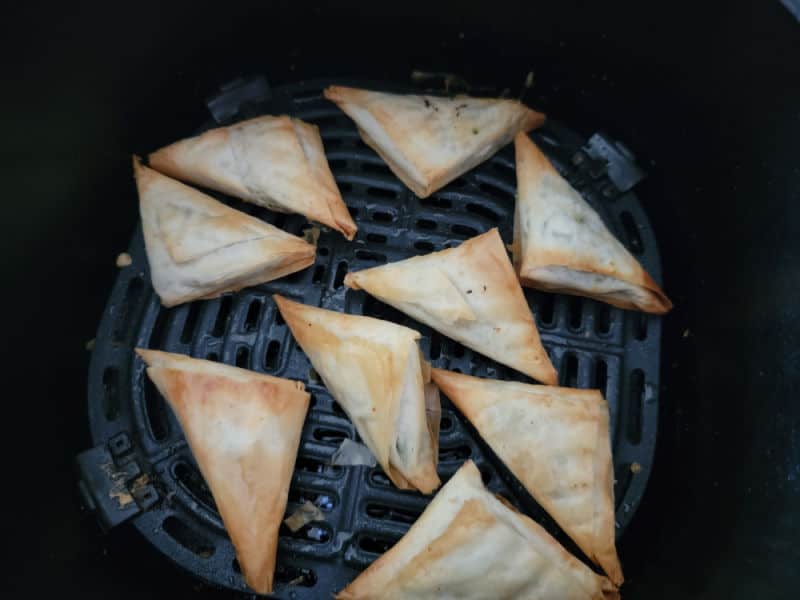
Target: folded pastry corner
x: 469, y: 293
x: 376, y: 372
x: 199, y: 248
x: 469, y: 544
x: 428, y: 141
x: 276, y: 162
x: 556, y: 441
x: 562, y: 245
x: 243, y: 428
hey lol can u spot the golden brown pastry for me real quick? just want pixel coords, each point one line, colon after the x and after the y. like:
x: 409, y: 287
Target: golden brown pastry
x: 556, y: 441
x: 470, y: 545
x: 277, y: 162
x: 428, y: 141
x: 376, y: 372
x: 469, y: 293
x: 562, y: 245
x: 244, y: 431
x: 199, y: 248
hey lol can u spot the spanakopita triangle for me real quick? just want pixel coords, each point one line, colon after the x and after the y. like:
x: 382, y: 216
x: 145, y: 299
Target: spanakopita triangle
x: 470, y: 294
x: 199, y: 248
x: 276, y: 162
x: 556, y: 441
x: 375, y: 370
x: 244, y: 431
x: 562, y: 245
x: 469, y: 544
x: 428, y: 141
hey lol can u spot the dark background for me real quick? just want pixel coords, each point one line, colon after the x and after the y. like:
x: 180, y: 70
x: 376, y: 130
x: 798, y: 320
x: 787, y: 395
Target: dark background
x: 707, y: 96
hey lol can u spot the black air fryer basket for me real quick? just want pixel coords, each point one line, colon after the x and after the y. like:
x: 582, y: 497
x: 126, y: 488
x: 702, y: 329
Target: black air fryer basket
x: 141, y: 469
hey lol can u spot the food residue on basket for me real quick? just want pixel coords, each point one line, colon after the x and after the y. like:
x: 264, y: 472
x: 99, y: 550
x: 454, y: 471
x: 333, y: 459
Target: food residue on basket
x: 352, y: 453
x: 311, y: 235
x: 307, y: 513
x: 124, y: 260
x: 635, y: 467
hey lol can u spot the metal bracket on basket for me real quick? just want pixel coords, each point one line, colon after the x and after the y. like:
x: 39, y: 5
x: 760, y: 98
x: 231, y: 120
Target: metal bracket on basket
x: 235, y: 95
x: 620, y: 162
x: 112, y: 484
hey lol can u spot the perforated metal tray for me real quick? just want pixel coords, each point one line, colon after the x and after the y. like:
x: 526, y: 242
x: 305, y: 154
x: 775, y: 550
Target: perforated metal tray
x: 591, y: 345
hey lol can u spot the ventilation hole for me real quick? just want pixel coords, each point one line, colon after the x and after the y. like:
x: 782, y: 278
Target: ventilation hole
x: 436, y: 202
x: 272, y: 354
x: 464, y: 230
x: 457, y: 350
x: 125, y: 311
x: 213, y: 356
x: 290, y: 575
x: 632, y: 233
x: 280, y: 219
x: 379, y: 310
x: 341, y: 271
x: 436, y: 346
x: 307, y: 96
x: 382, y: 217
x: 370, y: 256
x: 635, y: 406
x: 600, y: 376
x: 375, y: 545
x: 155, y: 411
x: 322, y: 251
x: 484, y: 211
x: 454, y: 454
x: 345, y: 186
x: 377, y: 192
x: 253, y: 313
x: 622, y: 480
x: 496, y: 191
x: 187, y: 333
x: 424, y: 246
x: 296, y: 277
x: 322, y: 500
x: 157, y: 335
x: 379, y: 478
x: 279, y: 318
x: 569, y: 372
x: 575, y: 306
x: 193, y: 483
x: 545, y: 312
x: 325, y: 121
x: 486, y: 475
x: 314, y: 465
x: 387, y: 513
x: 602, y: 319
x: 313, y: 376
x: 337, y: 409
x: 312, y: 401
x: 332, y: 142
x: 236, y: 566
x: 426, y: 224
x: 376, y: 238
x: 445, y: 424
x: 319, y: 273
x: 329, y: 436
x: 640, y: 326
x: 337, y: 163
x: 353, y: 210
x: 459, y: 183
x: 221, y: 322
x: 187, y: 537
x: 377, y: 168
x: 110, y: 393
x: 311, y: 532
x: 501, y: 167
x: 243, y: 357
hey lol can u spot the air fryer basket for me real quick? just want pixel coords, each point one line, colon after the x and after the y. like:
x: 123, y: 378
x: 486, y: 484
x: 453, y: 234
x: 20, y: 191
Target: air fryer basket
x: 141, y: 468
